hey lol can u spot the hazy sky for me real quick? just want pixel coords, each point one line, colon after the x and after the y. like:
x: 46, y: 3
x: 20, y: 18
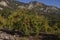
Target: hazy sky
x: 47, y: 2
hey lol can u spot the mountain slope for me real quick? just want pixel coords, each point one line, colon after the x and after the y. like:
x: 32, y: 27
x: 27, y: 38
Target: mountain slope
x: 29, y: 18
x: 12, y: 4
x: 51, y: 12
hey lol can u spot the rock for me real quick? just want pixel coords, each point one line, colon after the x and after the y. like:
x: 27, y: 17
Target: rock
x: 6, y: 36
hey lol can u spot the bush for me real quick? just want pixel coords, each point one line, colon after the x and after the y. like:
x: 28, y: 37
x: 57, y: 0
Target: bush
x: 28, y: 23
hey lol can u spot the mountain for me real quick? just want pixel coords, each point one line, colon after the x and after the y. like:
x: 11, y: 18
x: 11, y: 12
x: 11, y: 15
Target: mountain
x: 29, y: 18
x: 12, y: 5
x: 51, y: 12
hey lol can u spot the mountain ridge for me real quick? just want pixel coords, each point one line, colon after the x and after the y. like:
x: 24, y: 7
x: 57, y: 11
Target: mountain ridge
x: 13, y: 5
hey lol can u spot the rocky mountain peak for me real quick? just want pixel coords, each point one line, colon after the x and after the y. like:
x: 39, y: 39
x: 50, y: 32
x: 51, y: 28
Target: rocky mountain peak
x: 12, y: 4
x: 33, y: 2
x: 36, y: 3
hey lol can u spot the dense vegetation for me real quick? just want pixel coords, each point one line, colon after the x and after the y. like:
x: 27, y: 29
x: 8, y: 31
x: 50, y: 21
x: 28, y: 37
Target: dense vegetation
x: 28, y: 22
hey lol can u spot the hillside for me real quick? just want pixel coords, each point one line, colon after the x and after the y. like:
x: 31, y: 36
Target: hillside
x: 51, y: 11
x: 29, y: 19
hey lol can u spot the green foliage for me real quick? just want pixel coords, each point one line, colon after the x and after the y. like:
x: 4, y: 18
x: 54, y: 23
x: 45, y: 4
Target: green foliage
x: 22, y: 20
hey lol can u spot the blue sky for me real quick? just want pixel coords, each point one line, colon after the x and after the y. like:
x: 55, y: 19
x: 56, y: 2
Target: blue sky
x: 47, y: 2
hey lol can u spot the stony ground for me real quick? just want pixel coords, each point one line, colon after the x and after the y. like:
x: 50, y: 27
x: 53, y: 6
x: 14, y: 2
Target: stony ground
x: 6, y: 36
